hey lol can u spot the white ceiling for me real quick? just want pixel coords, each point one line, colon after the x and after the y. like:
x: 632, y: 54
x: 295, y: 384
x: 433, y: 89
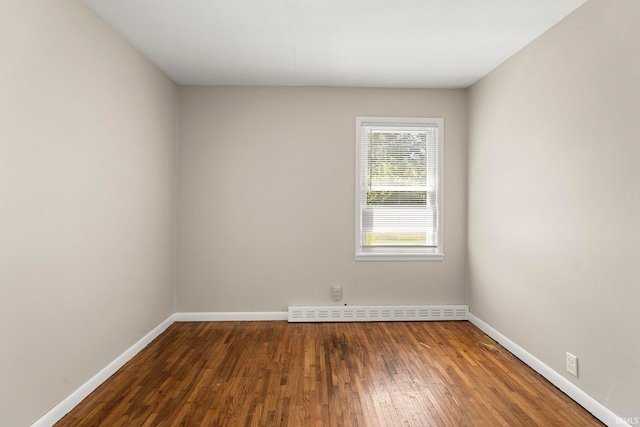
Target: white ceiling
x: 358, y: 43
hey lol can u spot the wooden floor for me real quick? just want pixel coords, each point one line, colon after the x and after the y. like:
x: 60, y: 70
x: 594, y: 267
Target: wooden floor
x: 326, y: 374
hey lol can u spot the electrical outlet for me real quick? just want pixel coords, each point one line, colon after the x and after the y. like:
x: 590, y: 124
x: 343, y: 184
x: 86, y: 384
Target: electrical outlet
x: 572, y: 364
x: 336, y: 293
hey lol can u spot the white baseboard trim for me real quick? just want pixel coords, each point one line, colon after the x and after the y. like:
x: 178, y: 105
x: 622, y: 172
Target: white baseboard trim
x: 64, y: 407
x: 598, y: 410
x: 216, y: 316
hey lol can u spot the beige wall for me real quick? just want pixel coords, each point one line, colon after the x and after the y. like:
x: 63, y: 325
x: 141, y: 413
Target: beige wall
x: 266, y: 196
x: 87, y: 173
x: 554, y: 199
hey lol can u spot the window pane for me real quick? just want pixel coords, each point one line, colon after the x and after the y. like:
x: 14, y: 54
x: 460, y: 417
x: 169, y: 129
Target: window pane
x: 396, y: 239
x: 397, y: 158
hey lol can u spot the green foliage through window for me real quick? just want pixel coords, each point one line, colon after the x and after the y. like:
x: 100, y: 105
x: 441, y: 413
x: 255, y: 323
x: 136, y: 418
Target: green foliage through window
x: 405, y: 198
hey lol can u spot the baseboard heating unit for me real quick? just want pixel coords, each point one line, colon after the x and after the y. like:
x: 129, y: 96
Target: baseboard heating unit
x: 382, y: 313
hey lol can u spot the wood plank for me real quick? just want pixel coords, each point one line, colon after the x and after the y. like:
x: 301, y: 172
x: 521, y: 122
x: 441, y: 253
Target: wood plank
x: 326, y: 374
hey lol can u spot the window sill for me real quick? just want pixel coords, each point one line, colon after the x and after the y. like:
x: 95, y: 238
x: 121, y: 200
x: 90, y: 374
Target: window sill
x: 399, y: 257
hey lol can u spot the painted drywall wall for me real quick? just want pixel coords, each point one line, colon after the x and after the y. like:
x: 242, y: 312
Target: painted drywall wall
x: 267, y: 199
x: 87, y: 194
x: 554, y: 199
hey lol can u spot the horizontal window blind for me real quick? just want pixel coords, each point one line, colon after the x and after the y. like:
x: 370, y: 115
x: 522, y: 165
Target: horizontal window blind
x: 399, y: 183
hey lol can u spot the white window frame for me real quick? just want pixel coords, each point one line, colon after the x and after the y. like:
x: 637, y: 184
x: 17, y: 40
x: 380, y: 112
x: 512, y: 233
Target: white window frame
x: 386, y: 253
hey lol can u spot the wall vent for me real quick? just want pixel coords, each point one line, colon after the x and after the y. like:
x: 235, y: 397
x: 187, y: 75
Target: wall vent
x: 389, y: 313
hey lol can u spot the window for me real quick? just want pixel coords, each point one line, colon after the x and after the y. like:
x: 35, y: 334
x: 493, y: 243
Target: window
x: 399, y: 164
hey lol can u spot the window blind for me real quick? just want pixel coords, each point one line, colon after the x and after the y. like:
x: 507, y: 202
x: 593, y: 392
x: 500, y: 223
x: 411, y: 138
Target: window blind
x: 399, y: 186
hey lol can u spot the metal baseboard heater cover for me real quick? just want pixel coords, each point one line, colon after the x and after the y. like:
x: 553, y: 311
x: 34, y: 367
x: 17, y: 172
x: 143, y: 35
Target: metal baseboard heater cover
x: 378, y: 313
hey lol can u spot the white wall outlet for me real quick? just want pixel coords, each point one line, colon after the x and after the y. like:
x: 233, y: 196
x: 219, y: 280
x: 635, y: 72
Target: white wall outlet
x: 572, y: 364
x: 336, y: 293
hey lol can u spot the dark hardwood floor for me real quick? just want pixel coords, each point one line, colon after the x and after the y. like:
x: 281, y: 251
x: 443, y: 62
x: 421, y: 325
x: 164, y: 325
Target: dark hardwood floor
x: 326, y: 374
